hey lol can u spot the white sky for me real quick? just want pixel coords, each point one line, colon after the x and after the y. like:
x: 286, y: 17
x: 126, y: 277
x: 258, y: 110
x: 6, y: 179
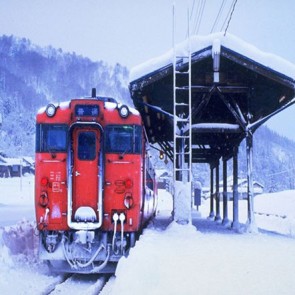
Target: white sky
x: 133, y: 31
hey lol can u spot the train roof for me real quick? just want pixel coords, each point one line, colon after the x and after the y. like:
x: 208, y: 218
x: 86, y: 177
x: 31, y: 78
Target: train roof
x: 109, y: 102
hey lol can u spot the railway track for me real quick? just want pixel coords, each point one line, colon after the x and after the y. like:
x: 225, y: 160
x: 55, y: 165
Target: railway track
x: 77, y: 284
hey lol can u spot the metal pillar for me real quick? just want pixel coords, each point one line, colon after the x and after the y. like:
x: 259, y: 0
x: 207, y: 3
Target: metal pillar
x: 225, y: 220
x: 251, y: 219
x: 235, y: 224
x: 217, y: 217
x: 212, y: 214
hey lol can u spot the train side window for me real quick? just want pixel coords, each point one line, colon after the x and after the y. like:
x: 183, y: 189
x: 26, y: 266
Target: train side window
x: 123, y: 139
x: 51, y: 138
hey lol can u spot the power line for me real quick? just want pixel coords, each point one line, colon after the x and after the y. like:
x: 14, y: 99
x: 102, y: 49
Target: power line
x: 227, y: 16
x: 193, y: 6
x: 218, y: 15
x: 200, y: 16
x: 196, y: 20
x: 280, y: 172
x: 232, y: 11
x: 190, y: 19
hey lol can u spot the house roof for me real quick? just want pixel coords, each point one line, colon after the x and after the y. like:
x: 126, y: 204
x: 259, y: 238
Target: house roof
x: 252, y: 87
x: 241, y: 182
x: 10, y: 161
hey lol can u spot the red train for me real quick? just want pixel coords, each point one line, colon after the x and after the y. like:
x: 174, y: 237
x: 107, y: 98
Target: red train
x: 94, y: 186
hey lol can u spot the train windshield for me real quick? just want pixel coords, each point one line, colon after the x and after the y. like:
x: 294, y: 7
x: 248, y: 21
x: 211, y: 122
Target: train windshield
x: 123, y: 139
x: 51, y: 138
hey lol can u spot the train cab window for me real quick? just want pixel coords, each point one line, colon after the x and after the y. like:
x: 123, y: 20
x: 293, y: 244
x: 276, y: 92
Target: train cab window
x: 51, y: 138
x: 86, y: 146
x: 123, y: 139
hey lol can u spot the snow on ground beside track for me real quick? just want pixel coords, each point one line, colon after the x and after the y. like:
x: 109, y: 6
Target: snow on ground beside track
x: 273, y: 211
x: 183, y: 260
x: 20, y: 270
x: 18, y: 275
x: 17, y: 191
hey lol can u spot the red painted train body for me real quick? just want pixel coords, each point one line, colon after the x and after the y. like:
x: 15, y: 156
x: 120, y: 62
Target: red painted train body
x: 94, y: 184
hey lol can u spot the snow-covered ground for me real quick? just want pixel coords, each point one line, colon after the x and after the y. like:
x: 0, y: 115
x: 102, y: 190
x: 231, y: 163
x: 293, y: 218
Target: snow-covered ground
x: 16, y: 199
x: 203, y: 258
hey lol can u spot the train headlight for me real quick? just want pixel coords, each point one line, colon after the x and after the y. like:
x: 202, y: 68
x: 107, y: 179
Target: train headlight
x: 124, y: 111
x: 50, y: 110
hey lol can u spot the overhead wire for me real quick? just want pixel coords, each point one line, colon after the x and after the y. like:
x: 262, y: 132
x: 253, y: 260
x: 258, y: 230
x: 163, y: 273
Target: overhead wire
x: 190, y: 19
x: 281, y: 172
x: 218, y: 15
x: 200, y: 12
x: 196, y: 16
x: 231, y: 14
x: 192, y: 10
x: 227, y: 16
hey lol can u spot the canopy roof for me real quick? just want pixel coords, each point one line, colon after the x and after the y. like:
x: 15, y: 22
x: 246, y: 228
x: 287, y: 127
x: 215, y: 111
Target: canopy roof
x: 251, y: 87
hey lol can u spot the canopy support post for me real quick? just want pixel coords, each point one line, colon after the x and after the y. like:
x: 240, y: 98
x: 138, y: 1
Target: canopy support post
x: 225, y: 220
x: 235, y: 223
x: 251, y: 226
x: 217, y: 195
x: 211, y: 214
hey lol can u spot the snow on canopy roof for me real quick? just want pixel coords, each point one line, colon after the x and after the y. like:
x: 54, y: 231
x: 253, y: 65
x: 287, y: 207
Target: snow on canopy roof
x: 229, y: 41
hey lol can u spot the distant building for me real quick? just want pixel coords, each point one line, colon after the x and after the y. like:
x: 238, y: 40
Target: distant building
x: 242, y: 189
x: 15, y: 167
x: 163, y: 178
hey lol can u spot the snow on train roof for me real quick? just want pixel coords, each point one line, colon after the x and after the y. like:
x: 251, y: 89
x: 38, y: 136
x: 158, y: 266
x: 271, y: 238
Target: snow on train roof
x: 229, y: 41
x: 108, y: 105
x: 62, y: 105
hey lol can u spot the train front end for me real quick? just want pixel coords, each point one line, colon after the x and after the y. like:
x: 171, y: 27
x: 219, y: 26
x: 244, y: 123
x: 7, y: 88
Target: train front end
x: 90, y: 184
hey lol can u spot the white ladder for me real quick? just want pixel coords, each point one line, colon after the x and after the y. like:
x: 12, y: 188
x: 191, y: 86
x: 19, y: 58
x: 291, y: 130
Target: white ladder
x: 182, y: 133
x: 182, y: 111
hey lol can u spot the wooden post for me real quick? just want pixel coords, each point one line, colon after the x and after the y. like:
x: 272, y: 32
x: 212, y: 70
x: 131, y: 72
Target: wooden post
x: 225, y: 220
x: 211, y: 215
x: 235, y: 224
x: 217, y: 217
x: 251, y: 219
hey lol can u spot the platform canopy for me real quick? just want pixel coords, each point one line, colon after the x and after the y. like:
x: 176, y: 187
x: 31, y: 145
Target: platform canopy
x: 235, y: 88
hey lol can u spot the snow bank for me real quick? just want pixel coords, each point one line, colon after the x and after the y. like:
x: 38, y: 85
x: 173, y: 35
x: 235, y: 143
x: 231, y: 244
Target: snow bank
x: 281, y: 203
x: 178, y: 259
x: 182, y: 200
x: 20, y: 270
x: 21, y: 239
x: 276, y: 212
x: 229, y: 41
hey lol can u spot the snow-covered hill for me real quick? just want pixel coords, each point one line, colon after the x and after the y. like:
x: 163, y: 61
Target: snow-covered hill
x: 203, y: 258
x: 32, y: 76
